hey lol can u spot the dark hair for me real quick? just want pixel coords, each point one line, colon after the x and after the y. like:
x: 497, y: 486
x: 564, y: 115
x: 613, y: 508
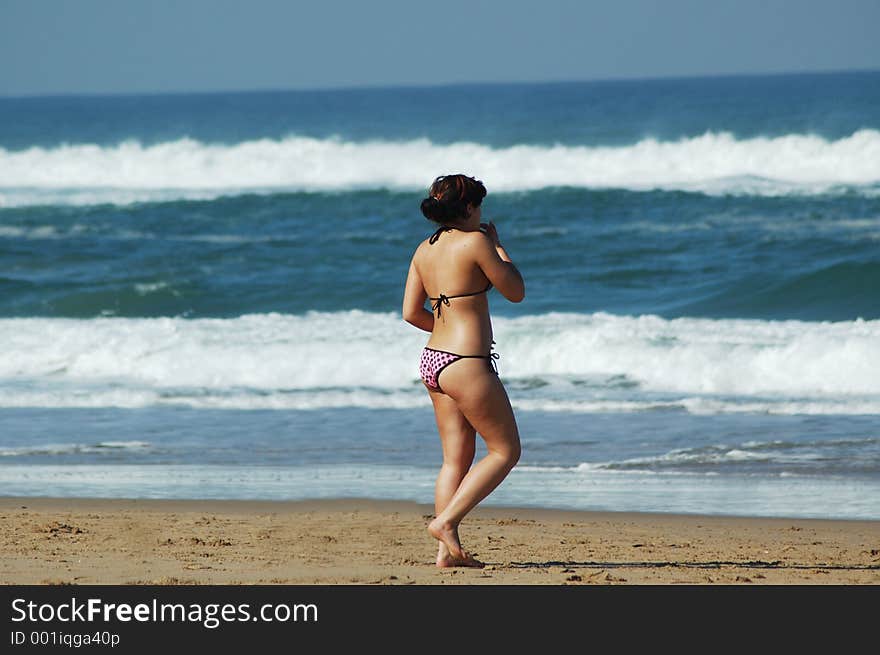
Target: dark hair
x: 449, y: 197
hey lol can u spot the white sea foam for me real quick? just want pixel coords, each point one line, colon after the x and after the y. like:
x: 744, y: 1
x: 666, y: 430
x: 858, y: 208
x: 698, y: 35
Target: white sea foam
x: 687, y: 355
x: 715, y: 162
x: 583, y: 362
x: 73, y: 448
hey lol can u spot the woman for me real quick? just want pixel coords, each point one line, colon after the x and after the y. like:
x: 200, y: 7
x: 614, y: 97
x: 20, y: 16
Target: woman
x: 454, y: 269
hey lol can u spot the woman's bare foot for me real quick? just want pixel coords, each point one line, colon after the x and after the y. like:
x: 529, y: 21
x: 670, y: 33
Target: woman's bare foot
x: 445, y: 559
x: 447, y: 534
x: 449, y: 562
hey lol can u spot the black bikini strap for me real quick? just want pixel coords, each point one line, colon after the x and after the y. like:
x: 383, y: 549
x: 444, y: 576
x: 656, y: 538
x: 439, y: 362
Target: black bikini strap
x: 436, y: 235
x: 491, y: 357
x: 475, y: 293
x: 443, y: 299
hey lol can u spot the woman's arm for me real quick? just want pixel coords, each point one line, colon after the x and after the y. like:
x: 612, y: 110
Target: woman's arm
x: 414, y: 297
x: 494, y: 261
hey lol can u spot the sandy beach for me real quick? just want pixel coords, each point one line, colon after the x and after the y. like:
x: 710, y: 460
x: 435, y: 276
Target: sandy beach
x: 101, y: 541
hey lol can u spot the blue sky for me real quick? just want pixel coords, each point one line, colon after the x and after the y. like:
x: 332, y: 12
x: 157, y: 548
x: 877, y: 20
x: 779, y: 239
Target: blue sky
x: 118, y: 46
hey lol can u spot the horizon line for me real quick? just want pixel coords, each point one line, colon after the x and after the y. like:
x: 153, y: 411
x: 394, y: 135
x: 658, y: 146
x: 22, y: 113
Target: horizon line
x: 451, y: 84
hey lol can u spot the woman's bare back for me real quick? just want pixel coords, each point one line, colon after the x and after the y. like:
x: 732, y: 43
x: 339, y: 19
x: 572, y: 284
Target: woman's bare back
x: 456, y: 285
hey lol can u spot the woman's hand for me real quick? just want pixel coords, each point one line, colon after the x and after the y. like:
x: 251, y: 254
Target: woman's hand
x: 491, y: 232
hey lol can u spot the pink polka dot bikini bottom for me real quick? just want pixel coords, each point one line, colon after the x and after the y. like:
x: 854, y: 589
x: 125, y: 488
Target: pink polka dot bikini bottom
x: 434, y: 361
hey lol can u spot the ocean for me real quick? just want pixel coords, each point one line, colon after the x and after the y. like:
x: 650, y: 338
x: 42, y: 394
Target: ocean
x: 200, y: 293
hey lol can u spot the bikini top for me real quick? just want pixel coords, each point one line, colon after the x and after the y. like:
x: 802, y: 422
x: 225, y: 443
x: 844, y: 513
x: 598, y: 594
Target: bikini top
x: 443, y: 299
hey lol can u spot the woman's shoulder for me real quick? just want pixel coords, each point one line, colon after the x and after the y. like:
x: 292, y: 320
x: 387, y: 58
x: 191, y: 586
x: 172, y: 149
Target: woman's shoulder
x: 474, y: 241
x: 421, y: 250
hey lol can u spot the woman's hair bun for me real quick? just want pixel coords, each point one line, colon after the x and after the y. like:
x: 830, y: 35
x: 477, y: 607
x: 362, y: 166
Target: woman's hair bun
x: 434, y: 210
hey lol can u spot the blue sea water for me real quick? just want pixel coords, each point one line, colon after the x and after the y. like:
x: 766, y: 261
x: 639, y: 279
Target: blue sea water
x: 200, y: 294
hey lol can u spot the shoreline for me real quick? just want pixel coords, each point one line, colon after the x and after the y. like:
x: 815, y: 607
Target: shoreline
x: 54, y: 540
x: 380, y: 504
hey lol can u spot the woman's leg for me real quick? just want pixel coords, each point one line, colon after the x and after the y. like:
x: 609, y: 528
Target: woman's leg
x: 457, y: 437
x: 483, y: 402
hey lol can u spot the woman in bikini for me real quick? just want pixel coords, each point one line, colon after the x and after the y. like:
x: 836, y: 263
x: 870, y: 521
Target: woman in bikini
x: 454, y: 269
